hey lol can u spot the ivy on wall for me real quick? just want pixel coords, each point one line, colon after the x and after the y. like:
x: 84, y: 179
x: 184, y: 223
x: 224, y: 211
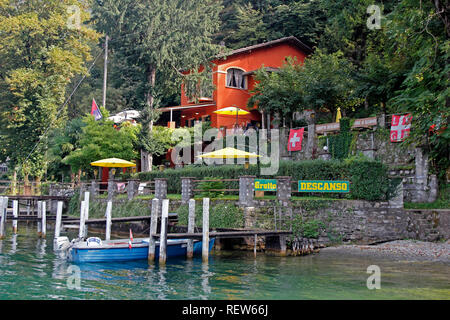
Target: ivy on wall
x: 339, y: 144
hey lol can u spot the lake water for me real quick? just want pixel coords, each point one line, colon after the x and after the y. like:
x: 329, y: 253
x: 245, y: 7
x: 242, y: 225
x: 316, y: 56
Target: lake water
x: 29, y: 269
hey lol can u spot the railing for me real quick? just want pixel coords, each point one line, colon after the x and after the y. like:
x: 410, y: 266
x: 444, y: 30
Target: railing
x: 229, y: 190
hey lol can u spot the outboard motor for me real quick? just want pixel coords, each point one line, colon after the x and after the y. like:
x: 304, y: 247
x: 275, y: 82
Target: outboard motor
x: 61, y: 243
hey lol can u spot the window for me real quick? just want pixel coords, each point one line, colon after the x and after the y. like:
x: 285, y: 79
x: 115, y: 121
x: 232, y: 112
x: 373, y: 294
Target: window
x: 236, y: 78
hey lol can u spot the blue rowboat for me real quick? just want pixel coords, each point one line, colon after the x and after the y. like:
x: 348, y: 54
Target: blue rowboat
x: 118, y: 250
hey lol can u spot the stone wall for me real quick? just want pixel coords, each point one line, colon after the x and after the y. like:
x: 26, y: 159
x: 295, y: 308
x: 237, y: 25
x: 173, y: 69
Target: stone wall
x: 353, y: 220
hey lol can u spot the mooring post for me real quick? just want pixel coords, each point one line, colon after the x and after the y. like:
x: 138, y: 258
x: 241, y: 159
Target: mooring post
x: 86, y: 211
x: 108, y: 220
x: 205, y: 238
x: 163, y: 237
x: 3, y: 206
x: 153, y: 230
x: 39, y: 216
x: 59, y: 211
x: 81, y: 230
x: 15, y: 215
x: 44, y: 219
x: 191, y: 226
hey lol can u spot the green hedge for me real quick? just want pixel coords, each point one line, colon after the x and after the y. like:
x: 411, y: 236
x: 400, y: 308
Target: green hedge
x: 369, y: 178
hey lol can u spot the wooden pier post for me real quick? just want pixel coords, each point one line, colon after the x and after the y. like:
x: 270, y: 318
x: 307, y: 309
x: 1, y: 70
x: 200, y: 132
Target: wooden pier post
x: 153, y: 230
x: 108, y: 220
x: 15, y: 215
x: 28, y: 207
x: 163, y: 237
x: 39, y: 216
x: 44, y: 219
x: 3, y: 207
x: 86, y: 212
x: 205, y: 238
x: 191, y: 226
x: 59, y: 211
x: 81, y: 229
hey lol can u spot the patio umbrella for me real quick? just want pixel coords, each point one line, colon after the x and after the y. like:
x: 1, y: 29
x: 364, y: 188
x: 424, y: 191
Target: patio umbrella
x: 113, y: 163
x: 231, y: 111
x: 229, y: 153
x: 338, y: 115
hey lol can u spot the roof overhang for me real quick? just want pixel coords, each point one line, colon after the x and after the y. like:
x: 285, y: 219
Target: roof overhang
x: 194, y: 106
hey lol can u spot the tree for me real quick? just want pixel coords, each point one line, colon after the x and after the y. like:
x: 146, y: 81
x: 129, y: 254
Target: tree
x: 157, y: 39
x: 100, y: 140
x: 40, y: 53
x: 419, y: 47
x: 278, y: 92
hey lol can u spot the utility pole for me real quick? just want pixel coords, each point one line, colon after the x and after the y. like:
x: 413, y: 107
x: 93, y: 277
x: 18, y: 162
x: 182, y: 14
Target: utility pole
x: 105, y: 75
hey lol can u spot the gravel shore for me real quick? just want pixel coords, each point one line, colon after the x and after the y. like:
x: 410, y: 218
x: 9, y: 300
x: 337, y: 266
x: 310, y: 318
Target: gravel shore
x: 399, y: 250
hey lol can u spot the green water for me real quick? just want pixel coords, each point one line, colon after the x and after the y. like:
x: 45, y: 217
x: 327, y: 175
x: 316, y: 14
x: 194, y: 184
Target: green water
x: 29, y: 269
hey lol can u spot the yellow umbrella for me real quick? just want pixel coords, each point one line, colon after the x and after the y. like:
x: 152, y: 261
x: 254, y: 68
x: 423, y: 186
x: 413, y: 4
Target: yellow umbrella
x: 231, y: 111
x: 113, y: 163
x: 229, y: 153
x: 338, y: 115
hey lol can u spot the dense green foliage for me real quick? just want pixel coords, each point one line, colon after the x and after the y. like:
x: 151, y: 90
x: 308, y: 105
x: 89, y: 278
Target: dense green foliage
x: 40, y: 52
x: 368, y: 178
x: 340, y: 143
x: 221, y: 215
x: 101, y: 140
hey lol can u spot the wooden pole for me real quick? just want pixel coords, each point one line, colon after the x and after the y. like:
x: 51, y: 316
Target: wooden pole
x: 15, y: 215
x: 3, y: 216
x: 86, y: 212
x: 153, y: 230
x: 59, y: 211
x: 39, y: 216
x: 205, y: 238
x: 44, y: 219
x: 81, y: 230
x: 28, y: 207
x: 108, y: 220
x: 191, y: 226
x: 163, y: 237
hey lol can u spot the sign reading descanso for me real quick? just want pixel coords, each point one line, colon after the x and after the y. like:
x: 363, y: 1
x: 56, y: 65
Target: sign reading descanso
x: 323, y: 186
x: 265, y: 184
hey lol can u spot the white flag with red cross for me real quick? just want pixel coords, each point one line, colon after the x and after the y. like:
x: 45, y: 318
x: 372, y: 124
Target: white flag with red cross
x: 400, y: 127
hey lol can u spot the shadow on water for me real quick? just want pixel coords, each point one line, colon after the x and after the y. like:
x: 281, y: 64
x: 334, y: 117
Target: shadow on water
x: 30, y: 269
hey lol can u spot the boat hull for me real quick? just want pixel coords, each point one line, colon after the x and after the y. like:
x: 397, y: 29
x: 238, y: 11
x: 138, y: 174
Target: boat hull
x: 137, y: 252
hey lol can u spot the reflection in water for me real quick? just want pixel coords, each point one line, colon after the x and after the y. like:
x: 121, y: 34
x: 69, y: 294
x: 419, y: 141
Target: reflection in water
x: 205, y: 280
x: 228, y: 275
x: 13, y: 244
x: 162, y: 282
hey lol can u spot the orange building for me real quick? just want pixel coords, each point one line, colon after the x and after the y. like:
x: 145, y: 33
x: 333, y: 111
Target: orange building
x: 233, y: 79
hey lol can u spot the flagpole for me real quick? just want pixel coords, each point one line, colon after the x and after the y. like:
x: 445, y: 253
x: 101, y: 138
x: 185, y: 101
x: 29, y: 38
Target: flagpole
x: 105, y: 75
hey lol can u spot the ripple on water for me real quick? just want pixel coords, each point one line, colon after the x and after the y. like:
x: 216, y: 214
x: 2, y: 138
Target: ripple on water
x: 29, y: 269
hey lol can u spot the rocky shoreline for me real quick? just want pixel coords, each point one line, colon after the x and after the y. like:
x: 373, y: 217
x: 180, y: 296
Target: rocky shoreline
x: 410, y: 250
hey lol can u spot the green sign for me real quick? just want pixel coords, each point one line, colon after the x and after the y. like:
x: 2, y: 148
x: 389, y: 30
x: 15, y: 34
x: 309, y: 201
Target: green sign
x: 324, y: 186
x: 265, y: 184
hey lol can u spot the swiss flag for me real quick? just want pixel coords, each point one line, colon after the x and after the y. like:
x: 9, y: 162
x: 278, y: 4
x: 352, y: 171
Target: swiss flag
x: 295, y: 140
x: 95, y: 111
x: 400, y: 127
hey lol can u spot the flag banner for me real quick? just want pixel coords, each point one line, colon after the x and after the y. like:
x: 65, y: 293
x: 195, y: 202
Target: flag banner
x: 295, y: 140
x: 131, y: 240
x: 400, y: 127
x: 95, y: 111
